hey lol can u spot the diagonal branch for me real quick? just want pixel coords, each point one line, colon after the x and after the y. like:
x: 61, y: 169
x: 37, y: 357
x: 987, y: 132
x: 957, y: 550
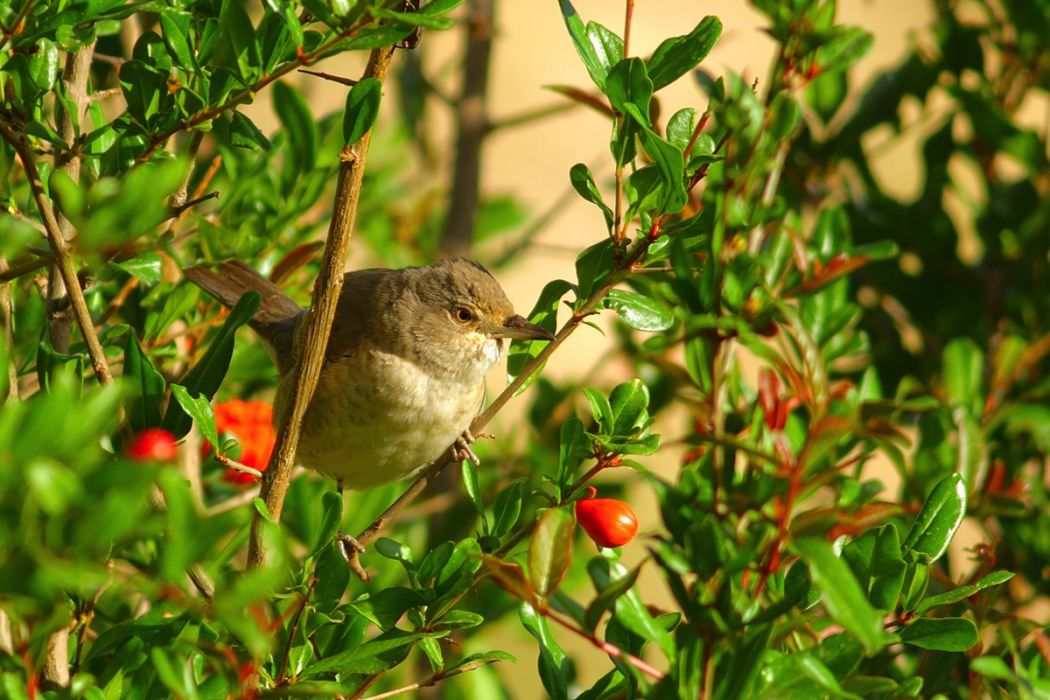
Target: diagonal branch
x: 63, y: 259
x: 318, y: 324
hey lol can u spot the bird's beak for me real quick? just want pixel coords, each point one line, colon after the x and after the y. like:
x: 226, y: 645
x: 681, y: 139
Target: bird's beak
x: 518, y: 328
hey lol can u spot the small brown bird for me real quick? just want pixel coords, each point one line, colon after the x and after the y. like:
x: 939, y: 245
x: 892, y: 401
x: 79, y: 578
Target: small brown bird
x: 405, y: 366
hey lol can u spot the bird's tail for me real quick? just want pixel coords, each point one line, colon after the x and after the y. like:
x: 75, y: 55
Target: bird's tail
x: 277, y: 315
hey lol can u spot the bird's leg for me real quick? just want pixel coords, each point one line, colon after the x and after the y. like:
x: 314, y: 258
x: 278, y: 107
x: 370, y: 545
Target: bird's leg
x: 461, y: 448
x: 349, y: 546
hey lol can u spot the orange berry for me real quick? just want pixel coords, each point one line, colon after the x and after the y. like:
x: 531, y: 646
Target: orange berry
x: 609, y: 522
x: 152, y: 445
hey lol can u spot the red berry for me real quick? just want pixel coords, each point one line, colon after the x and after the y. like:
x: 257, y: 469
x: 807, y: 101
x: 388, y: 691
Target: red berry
x: 152, y: 445
x: 609, y: 522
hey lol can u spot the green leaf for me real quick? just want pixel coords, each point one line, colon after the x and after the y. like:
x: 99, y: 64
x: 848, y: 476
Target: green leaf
x: 362, y: 108
x: 583, y: 182
x: 146, y: 384
x: 963, y: 369
x: 573, y: 446
x: 199, y: 409
x: 206, y: 376
x: 668, y: 161
x: 550, y: 550
x: 593, y: 267
x: 629, y: 403
x: 332, y: 575
x: 993, y: 667
x: 545, y: 315
x: 640, y: 312
x: 993, y: 579
x: 887, y: 569
x: 842, y: 596
x: 473, y: 489
x: 601, y: 410
x: 374, y: 656
x: 607, y: 596
x: 176, y: 27
x: 415, y: 19
x: 679, y: 55
x: 331, y: 519
x: 939, y: 518
x: 843, y: 49
x: 385, y: 607
x: 941, y: 633
x: 578, y: 33
x: 607, y: 45
x: 244, y: 134
x: 507, y: 508
x: 553, y: 662
x: 630, y: 90
x: 144, y: 89
x: 301, y: 129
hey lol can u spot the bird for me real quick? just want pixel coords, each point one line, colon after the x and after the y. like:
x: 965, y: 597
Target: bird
x: 404, y: 370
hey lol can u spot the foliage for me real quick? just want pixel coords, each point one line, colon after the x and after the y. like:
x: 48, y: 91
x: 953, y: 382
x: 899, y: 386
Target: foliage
x: 750, y: 256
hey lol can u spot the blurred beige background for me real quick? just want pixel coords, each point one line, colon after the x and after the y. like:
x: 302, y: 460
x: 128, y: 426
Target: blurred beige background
x: 532, y: 50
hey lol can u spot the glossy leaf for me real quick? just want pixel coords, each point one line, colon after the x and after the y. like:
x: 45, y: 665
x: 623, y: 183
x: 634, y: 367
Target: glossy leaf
x: 941, y: 514
x: 583, y: 182
x: 578, y: 33
x: 199, y: 409
x: 362, y: 108
x: 640, y: 312
x: 550, y: 550
x: 146, y: 384
x: 553, y: 662
x: 677, y: 56
x: 995, y: 578
x: 941, y: 633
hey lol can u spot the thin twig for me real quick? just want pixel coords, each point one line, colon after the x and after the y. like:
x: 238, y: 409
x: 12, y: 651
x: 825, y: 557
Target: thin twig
x: 432, y: 680
x: 608, y: 647
x: 24, y: 268
x: 61, y: 253
x: 318, y: 323
x: 236, y: 466
x: 177, y: 211
x: 349, y: 82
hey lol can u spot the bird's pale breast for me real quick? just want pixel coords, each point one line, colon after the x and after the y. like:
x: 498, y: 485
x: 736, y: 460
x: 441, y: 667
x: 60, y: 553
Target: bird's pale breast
x: 381, y: 417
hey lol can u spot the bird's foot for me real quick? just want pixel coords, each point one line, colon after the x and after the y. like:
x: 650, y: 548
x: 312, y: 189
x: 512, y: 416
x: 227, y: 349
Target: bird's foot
x: 352, y: 549
x: 461, y: 448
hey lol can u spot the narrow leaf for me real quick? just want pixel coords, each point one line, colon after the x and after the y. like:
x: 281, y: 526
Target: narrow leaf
x: 842, y: 596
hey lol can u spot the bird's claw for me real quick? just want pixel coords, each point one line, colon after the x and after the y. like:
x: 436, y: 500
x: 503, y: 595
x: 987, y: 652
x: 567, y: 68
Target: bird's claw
x: 461, y: 448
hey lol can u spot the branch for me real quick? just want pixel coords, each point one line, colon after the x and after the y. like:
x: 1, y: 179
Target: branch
x: 471, y: 125
x: 67, y: 123
x: 318, y: 324
x: 63, y: 260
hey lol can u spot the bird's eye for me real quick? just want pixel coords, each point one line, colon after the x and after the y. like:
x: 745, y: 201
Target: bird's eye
x: 462, y: 314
